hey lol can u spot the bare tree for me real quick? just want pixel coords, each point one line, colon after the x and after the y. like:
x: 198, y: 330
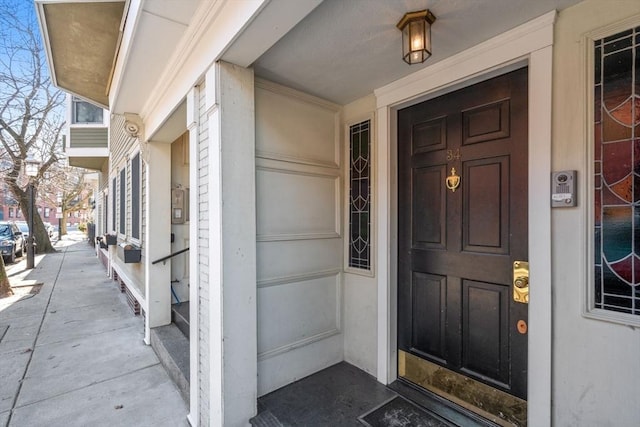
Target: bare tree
x: 5, y: 286
x: 64, y: 186
x: 31, y: 108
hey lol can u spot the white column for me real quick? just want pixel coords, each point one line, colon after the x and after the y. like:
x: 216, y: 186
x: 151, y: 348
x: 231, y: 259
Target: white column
x: 540, y: 307
x: 193, y: 126
x: 232, y: 243
x: 157, y: 280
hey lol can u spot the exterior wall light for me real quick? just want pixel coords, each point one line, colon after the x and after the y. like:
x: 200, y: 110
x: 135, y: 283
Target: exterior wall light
x: 416, y: 36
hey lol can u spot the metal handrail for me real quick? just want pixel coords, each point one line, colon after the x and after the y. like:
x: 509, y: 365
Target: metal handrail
x: 170, y: 256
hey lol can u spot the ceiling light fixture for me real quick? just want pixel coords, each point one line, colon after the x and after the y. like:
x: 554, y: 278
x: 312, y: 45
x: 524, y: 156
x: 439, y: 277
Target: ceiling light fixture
x: 416, y: 36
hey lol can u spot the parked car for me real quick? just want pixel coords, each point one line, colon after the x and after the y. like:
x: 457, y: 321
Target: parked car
x: 49, y: 228
x: 12, y: 241
x: 24, y: 227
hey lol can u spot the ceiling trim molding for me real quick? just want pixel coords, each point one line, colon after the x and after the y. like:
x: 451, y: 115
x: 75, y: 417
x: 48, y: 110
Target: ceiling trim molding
x: 502, y: 49
x: 216, y: 25
x: 131, y: 18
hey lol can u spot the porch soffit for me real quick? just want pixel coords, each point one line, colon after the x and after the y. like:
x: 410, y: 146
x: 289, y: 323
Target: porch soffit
x: 343, y: 50
x: 81, y: 41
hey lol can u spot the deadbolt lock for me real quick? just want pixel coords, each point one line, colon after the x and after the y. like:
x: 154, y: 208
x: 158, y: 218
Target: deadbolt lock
x: 521, y: 282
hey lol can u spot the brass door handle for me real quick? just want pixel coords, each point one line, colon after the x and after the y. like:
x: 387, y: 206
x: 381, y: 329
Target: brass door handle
x: 521, y: 282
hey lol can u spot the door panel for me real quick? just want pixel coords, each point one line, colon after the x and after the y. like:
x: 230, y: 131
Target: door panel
x: 429, y: 220
x: 485, y: 335
x: 430, y: 296
x: 486, y: 197
x: 456, y: 248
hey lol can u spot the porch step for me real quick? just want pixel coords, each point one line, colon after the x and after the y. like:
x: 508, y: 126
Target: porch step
x: 180, y: 316
x: 265, y: 418
x: 172, y: 348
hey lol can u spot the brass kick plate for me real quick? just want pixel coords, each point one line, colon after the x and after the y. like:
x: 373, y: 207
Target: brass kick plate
x: 521, y: 282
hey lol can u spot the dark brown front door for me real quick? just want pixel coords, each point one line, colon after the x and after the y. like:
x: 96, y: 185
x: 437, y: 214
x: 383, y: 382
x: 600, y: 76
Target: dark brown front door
x: 456, y: 249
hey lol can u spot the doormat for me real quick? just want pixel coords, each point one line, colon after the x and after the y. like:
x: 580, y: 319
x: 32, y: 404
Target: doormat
x: 399, y: 412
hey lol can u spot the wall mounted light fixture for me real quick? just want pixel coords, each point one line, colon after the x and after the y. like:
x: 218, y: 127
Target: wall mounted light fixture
x: 416, y: 36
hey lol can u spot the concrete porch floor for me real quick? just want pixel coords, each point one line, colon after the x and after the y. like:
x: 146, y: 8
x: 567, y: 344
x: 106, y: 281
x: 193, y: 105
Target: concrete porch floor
x: 338, y: 395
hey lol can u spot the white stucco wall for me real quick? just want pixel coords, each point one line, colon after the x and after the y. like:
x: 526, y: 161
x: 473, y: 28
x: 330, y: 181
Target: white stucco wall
x: 360, y: 290
x: 596, y: 364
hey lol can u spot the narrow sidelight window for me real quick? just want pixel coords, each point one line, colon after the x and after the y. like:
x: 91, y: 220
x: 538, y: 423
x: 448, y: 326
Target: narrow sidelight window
x: 135, y: 196
x: 360, y: 195
x: 617, y: 172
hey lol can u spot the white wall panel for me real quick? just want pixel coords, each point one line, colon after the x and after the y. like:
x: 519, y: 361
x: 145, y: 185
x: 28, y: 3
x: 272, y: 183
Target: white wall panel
x: 299, y: 240
x: 291, y: 124
x: 292, y: 204
x: 278, y: 259
x: 312, y: 303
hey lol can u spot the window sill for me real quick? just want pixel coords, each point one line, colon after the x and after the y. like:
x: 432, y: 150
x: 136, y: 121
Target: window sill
x: 612, y: 317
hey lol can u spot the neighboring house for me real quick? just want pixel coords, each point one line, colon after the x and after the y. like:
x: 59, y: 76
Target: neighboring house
x: 321, y: 217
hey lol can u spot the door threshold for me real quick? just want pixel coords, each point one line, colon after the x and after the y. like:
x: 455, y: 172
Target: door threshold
x: 447, y: 409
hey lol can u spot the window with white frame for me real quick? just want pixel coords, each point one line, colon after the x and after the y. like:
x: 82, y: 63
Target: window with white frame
x: 616, y: 168
x: 83, y: 112
x: 122, y: 221
x: 135, y: 196
x: 114, y: 187
x: 105, y: 210
x: 360, y: 195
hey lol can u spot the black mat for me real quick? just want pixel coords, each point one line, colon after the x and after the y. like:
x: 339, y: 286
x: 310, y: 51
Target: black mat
x: 400, y: 412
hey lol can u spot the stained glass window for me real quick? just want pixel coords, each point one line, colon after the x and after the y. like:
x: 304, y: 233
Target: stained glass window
x: 360, y: 196
x: 617, y: 172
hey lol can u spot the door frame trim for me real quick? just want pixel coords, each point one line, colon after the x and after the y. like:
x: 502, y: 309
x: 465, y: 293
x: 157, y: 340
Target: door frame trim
x: 530, y: 44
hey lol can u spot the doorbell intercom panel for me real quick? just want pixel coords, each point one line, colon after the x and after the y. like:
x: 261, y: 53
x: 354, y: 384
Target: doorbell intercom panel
x: 563, y: 189
x: 179, y: 205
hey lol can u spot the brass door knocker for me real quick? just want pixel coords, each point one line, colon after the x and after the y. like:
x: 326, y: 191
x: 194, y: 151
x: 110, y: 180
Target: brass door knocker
x: 453, y: 181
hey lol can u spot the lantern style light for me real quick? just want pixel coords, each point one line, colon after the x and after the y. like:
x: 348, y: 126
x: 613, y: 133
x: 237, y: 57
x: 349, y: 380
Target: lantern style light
x: 416, y: 36
x: 31, y: 166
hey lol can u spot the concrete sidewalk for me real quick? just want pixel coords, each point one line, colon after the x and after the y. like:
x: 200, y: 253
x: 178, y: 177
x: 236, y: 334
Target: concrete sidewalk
x: 73, y: 355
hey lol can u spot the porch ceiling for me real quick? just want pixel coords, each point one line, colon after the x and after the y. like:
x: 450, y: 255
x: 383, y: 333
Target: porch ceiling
x: 81, y: 41
x: 83, y: 38
x: 343, y: 50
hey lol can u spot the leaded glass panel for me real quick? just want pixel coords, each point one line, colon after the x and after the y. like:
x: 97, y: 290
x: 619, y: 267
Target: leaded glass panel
x: 360, y: 195
x: 617, y: 172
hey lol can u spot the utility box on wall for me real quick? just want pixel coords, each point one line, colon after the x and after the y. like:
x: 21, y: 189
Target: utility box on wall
x: 179, y: 205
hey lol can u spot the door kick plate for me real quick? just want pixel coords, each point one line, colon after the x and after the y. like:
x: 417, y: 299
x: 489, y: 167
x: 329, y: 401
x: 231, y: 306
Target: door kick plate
x: 486, y: 401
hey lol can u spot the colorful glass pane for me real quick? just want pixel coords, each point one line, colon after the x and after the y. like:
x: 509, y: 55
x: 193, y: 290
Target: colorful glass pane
x: 617, y: 172
x: 617, y: 229
x: 616, y: 161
